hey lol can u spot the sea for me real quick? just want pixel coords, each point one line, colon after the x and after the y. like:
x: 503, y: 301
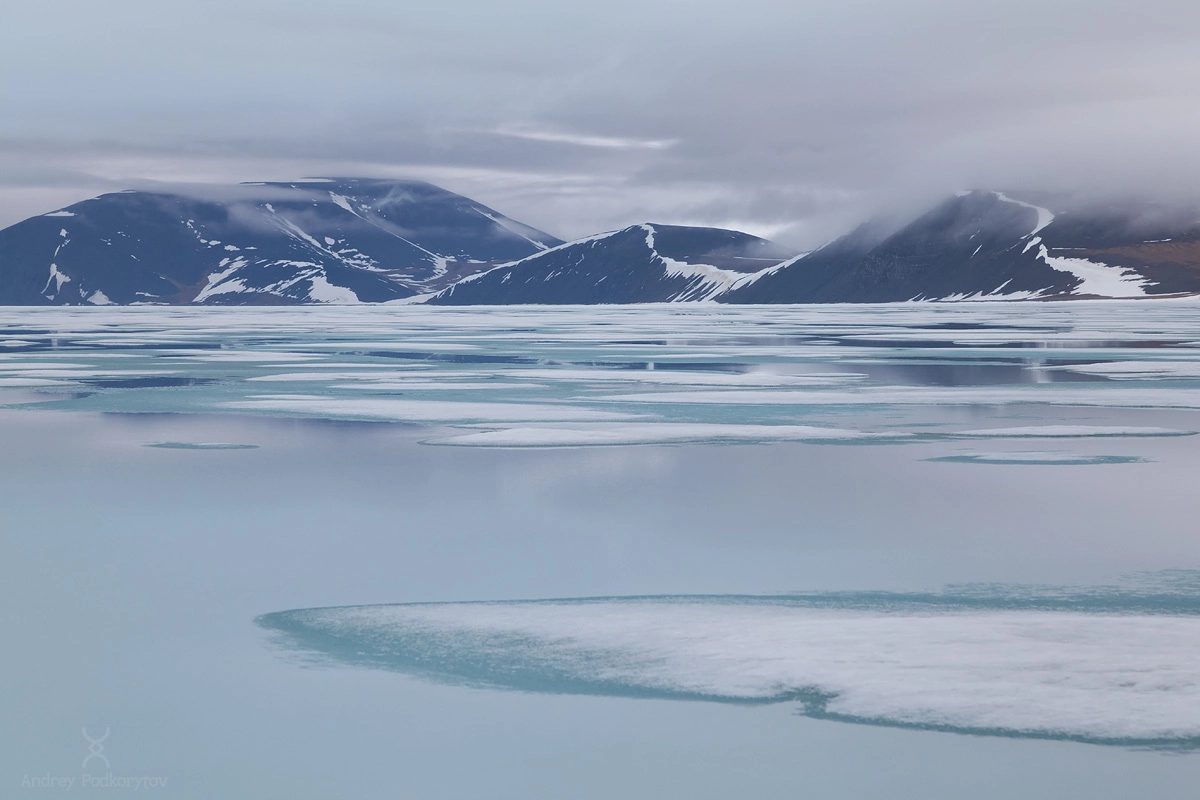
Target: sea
x: 921, y: 550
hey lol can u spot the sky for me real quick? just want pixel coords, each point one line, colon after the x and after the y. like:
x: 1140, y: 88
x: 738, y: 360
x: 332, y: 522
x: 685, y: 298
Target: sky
x: 792, y: 120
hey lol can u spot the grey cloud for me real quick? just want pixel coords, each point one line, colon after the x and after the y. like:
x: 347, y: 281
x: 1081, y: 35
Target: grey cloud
x: 794, y: 119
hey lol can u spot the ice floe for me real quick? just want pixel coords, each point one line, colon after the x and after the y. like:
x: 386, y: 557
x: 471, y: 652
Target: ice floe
x: 1037, y: 458
x: 393, y: 409
x: 1071, y: 431
x: 1139, y: 370
x: 666, y: 365
x: 632, y: 433
x: 1033, y: 393
x: 1003, y: 667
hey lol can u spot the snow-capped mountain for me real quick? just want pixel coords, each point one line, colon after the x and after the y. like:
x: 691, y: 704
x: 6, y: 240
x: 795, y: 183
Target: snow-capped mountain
x: 316, y: 240
x: 988, y: 245
x: 645, y: 263
x: 347, y: 240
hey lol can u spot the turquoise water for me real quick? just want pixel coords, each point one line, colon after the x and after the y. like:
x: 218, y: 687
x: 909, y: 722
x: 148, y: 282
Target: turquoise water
x: 762, y: 526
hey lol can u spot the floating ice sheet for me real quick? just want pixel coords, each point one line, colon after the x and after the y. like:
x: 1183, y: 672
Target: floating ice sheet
x: 1071, y: 432
x: 681, y: 378
x: 1120, y: 670
x: 1036, y: 458
x: 420, y: 410
x: 633, y: 433
x: 1036, y: 394
x: 700, y: 365
x: 1140, y: 370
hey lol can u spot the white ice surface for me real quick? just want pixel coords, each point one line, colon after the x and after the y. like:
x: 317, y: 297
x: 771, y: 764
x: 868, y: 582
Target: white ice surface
x: 685, y: 377
x: 1030, y: 457
x: 1106, y: 676
x: 1070, y: 431
x: 322, y: 377
x: 631, y: 433
x: 249, y: 356
x: 411, y: 384
x: 9, y: 382
x: 419, y: 410
x: 1055, y: 394
x: 1139, y: 370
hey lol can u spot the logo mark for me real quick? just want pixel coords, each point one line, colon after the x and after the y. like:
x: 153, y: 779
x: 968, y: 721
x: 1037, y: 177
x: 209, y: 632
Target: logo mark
x: 96, y: 748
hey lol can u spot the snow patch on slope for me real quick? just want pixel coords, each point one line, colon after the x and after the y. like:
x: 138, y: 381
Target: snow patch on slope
x: 323, y: 291
x: 705, y: 280
x: 1044, y: 216
x: 341, y: 200
x: 219, y: 283
x: 58, y: 279
x: 639, y: 433
x: 1097, y: 277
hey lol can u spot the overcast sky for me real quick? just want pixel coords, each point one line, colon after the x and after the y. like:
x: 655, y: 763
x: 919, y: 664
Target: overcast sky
x: 788, y: 119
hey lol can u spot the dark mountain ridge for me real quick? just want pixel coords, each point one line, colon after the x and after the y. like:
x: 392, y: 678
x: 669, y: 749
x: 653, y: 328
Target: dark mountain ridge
x: 989, y: 245
x: 317, y: 240
x: 647, y: 263
x: 349, y: 240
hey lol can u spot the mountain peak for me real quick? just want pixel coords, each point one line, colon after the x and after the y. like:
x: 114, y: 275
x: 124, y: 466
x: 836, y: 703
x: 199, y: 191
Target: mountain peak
x: 360, y: 239
x: 311, y: 240
x: 643, y: 263
x: 995, y: 245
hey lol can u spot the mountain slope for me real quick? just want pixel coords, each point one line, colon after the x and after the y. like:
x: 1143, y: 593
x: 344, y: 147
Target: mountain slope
x: 345, y: 240
x: 640, y: 264
x: 989, y: 245
x: 318, y: 240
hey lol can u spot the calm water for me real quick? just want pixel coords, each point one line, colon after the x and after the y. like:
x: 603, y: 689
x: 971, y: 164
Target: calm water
x: 765, y: 505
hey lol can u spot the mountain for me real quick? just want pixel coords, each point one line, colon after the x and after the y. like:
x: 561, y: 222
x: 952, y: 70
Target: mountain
x: 316, y: 240
x: 348, y: 240
x: 646, y: 263
x: 989, y: 245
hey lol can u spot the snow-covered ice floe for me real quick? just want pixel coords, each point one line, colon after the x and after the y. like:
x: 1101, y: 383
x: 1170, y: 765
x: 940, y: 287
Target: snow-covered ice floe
x: 755, y: 372
x: 1105, y: 667
x: 611, y: 434
x: 634, y: 433
x: 1139, y: 370
x: 1070, y: 432
x: 1036, y: 458
x: 394, y: 409
x: 1049, y: 394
